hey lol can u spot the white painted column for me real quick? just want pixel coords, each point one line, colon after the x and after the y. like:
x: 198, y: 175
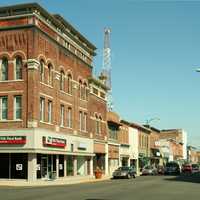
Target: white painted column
x: 106, y: 160
x: 91, y: 166
x: 32, y: 167
x: 129, y: 162
x: 137, y: 167
x: 57, y: 166
x: 65, y: 165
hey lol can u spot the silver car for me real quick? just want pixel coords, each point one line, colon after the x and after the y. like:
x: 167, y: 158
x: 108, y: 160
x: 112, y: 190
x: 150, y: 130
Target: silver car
x: 124, y: 172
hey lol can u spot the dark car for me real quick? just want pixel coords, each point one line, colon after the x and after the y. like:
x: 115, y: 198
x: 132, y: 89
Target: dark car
x: 195, y: 168
x: 149, y: 170
x: 124, y: 172
x: 172, y: 168
x: 186, y: 168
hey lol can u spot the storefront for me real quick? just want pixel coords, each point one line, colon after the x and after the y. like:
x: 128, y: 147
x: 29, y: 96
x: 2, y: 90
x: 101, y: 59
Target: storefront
x: 13, y: 165
x: 124, y: 155
x: 113, y: 157
x: 155, y: 159
x: 99, y: 161
x: 40, y: 154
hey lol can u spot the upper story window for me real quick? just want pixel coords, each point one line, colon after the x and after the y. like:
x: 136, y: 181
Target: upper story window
x: 69, y: 84
x: 98, y: 121
x: 113, y: 132
x: 42, y: 110
x: 18, y: 68
x: 62, y: 108
x: 4, y: 108
x: 85, y: 94
x: 4, y: 69
x: 49, y: 111
x: 50, y: 74
x: 42, y: 71
x: 69, y: 117
x: 80, y: 89
x: 18, y: 107
x: 80, y: 120
x: 62, y: 80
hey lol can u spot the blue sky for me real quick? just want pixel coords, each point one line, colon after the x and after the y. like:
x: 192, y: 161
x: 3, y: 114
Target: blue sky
x: 155, y: 51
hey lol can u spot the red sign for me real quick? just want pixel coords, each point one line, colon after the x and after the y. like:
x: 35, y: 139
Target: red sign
x: 12, y: 139
x: 54, y: 142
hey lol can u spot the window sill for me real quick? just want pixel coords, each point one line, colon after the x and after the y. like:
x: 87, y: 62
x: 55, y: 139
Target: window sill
x: 46, y: 85
x: 11, y: 120
x: 46, y: 123
x: 15, y: 80
x: 66, y: 93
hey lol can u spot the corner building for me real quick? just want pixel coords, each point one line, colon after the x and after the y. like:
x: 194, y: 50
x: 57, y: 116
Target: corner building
x: 46, y: 119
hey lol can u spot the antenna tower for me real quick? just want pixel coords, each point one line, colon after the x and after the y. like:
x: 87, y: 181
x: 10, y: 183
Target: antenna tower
x: 106, y: 71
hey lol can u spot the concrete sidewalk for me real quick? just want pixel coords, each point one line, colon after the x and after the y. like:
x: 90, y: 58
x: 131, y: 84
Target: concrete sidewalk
x: 60, y: 181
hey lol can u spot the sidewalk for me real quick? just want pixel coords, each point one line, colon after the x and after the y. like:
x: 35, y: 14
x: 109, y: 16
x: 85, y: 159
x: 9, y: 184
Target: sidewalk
x: 60, y: 181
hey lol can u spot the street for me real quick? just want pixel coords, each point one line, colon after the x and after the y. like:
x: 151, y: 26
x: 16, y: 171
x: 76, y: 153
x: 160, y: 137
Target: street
x: 148, y: 187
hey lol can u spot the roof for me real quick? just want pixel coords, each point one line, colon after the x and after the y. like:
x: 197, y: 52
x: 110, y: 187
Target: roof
x: 135, y: 125
x: 56, y: 20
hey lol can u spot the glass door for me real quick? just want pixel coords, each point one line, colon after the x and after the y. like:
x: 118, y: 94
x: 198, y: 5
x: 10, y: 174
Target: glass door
x: 44, y: 167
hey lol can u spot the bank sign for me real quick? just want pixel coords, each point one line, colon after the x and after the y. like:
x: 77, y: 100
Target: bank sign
x: 54, y: 142
x: 12, y: 139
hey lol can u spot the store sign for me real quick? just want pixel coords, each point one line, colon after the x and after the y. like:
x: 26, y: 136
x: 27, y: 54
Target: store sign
x: 54, y: 142
x: 19, y: 167
x: 12, y: 139
x: 82, y: 146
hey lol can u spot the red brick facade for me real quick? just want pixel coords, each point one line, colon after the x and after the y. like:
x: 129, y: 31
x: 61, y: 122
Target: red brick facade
x: 35, y: 40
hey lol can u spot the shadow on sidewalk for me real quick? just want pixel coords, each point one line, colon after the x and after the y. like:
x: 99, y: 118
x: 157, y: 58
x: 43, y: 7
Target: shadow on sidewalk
x: 195, y: 178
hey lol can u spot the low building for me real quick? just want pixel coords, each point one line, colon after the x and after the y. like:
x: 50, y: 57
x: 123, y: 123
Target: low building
x: 113, y: 122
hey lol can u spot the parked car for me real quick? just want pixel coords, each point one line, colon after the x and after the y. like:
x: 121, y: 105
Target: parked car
x: 124, y: 172
x: 195, y: 168
x: 149, y: 170
x: 161, y: 170
x: 186, y: 168
x: 172, y: 168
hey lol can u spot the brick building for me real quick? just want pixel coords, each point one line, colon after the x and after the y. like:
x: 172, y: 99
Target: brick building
x: 52, y: 112
x: 178, y: 139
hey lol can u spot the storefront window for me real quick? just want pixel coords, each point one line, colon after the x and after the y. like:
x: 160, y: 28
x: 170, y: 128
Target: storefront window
x: 81, y: 170
x: 70, y: 166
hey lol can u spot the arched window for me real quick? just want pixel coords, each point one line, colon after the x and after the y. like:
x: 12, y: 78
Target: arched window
x: 80, y: 89
x: 69, y: 83
x: 96, y: 124
x: 100, y: 128
x: 41, y: 70
x: 18, y: 68
x: 50, y: 74
x: 4, y: 69
x: 62, y: 80
x: 85, y: 91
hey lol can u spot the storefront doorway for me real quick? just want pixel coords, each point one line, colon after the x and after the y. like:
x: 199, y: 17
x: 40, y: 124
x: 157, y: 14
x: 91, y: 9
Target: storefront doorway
x: 46, y: 166
x: 13, y: 166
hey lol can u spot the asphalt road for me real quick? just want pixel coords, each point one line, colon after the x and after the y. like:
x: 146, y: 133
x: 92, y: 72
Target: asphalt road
x: 141, y: 188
